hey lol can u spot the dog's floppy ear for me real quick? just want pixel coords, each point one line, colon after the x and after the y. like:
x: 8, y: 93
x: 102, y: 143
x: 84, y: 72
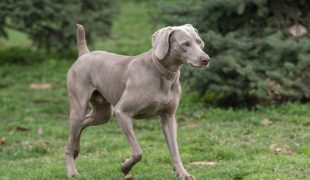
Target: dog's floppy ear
x: 160, y: 42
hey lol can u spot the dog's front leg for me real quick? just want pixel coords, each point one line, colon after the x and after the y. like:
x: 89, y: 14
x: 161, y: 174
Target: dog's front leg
x: 125, y: 122
x: 170, y: 130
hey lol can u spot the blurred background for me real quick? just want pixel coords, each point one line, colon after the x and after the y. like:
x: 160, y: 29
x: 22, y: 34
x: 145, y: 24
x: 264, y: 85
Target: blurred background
x: 251, y: 104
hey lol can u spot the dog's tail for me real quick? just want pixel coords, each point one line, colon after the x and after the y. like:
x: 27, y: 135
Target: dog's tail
x: 81, y: 41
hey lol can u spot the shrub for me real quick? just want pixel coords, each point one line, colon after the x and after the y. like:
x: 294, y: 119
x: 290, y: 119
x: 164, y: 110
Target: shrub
x: 255, y: 57
x: 20, y: 56
x: 51, y: 23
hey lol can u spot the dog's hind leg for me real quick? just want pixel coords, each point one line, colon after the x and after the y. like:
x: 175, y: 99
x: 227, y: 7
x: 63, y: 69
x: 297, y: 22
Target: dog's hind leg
x: 101, y: 113
x: 79, y: 96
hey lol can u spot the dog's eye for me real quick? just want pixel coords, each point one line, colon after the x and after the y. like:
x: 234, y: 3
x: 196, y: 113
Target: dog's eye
x: 186, y: 43
x: 198, y: 41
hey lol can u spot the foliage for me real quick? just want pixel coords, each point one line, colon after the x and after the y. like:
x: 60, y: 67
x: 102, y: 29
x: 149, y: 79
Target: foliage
x: 131, y: 31
x: 20, y: 56
x: 255, y: 58
x: 51, y: 24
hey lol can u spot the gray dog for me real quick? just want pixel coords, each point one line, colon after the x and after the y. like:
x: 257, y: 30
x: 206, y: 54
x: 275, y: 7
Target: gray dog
x: 141, y: 86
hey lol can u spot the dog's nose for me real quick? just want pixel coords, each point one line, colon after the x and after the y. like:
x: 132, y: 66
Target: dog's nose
x: 205, y: 59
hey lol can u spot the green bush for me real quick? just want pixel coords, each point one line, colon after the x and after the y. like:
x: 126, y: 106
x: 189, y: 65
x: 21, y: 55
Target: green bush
x: 255, y: 57
x: 51, y: 23
x: 20, y: 56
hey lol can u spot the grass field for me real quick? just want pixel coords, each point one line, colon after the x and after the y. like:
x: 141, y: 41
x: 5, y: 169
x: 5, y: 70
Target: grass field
x: 269, y: 143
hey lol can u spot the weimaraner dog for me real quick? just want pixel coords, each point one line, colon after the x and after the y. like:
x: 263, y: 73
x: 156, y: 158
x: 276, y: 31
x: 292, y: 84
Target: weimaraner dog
x: 132, y: 87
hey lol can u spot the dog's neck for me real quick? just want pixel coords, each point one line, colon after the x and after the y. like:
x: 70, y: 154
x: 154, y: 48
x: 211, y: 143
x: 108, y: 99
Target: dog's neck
x: 167, y: 66
x: 170, y: 62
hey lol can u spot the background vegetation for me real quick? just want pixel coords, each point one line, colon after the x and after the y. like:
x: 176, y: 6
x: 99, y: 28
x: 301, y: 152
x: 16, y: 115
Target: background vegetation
x: 266, y: 143
x: 257, y: 55
x: 49, y: 24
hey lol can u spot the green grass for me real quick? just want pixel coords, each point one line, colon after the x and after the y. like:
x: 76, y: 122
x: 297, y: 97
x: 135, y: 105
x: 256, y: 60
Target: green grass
x: 240, y: 146
x: 234, y: 139
x: 132, y: 31
x: 16, y: 38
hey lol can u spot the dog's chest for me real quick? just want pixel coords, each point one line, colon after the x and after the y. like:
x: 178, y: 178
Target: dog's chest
x: 157, y: 101
x: 153, y: 106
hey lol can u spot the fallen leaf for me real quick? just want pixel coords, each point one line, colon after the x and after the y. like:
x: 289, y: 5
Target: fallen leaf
x: 265, y: 102
x: 2, y: 140
x: 280, y: 149
x: 40, y: 131
x: 40, y: 86
x: 29, y: 119
x: 199, y: 113
x: 204, y: 163
x: 182, y: 118
x: 19, y: 128
x: 266, y: 122
x: 297, y: 30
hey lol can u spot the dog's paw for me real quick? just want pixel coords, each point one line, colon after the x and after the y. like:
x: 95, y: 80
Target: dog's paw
x: 125, y: 167
x: 185, y: 176
x: 73, y: 174
x: 129, y: 177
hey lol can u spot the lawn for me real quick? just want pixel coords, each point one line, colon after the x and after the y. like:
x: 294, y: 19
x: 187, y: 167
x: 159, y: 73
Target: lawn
x: 268, y: 143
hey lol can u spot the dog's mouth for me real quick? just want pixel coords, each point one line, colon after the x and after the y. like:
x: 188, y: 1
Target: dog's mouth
x: 201, y: 66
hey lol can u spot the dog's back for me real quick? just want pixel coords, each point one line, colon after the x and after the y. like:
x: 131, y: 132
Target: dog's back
x: 106, y: 71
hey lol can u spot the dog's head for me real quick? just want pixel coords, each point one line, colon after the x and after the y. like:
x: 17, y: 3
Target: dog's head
x: 182, y: 43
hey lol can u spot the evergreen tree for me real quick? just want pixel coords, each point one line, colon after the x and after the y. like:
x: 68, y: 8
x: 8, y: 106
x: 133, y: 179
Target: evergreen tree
x: 50, y: 24
x: 260, y: 48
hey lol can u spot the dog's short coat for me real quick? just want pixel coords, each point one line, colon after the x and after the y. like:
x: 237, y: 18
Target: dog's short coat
x: 137, y: 87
